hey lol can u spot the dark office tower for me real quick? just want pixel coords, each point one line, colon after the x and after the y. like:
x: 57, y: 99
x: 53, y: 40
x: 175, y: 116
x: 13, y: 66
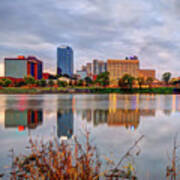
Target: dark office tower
x: 65, y: 60
x: 65, y: 123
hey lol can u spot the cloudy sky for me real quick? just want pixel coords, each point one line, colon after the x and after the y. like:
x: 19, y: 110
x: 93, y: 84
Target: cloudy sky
x: 100, y: 29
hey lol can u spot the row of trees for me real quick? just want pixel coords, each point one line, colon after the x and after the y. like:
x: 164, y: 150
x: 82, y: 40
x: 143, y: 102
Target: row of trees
x: 32, y: 82
x: 127, y: 81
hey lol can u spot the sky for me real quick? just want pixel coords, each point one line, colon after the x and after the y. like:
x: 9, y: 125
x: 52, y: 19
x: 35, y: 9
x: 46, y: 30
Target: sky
x: 95, y: 29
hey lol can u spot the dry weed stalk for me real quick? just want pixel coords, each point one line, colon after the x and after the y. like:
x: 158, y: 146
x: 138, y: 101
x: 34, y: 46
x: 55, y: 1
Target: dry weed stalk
x: 172, y: 170
x: 54, y: 160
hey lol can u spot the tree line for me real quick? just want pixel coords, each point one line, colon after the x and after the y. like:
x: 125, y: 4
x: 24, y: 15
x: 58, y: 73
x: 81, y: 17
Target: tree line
x: 127, y: 81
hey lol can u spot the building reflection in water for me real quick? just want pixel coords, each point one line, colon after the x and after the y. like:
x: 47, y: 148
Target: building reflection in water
x: 65, y: 123
x: 65, y: 117
x: 23, y: 119
x: 122, y: 111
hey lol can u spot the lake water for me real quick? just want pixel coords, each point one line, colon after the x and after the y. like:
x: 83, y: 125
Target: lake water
x: 115, y: 122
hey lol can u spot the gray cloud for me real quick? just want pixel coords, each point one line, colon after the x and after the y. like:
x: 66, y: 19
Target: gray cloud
x: 95, y: 29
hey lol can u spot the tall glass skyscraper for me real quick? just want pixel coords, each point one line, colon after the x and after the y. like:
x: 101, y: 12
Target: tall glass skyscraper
x: 65, y: 60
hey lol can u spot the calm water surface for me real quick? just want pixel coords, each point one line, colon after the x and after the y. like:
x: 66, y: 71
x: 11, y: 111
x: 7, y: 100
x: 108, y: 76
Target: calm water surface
x: 115, y: 122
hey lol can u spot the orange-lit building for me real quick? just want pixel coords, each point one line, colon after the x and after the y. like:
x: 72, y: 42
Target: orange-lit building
x: 117, y: 68
x: 146, y: 73
x: 125, y: 118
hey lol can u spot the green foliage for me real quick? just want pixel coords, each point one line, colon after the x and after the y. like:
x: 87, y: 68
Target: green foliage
x: 88, y: 80
x: 103, y: 79
x: 1, y: 83
x: 29, y: 80
x: 62, y: 83
x: 51, y: 82
x: 42, y: 83
x: 80, y: 82
x: 126, y: 81
x: 5, y: 82
x: 19, y: 83
x: 166, y: 77
x: 52, y: 77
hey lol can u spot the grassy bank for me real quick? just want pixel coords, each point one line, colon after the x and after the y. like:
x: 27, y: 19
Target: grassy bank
x: 95, y: 90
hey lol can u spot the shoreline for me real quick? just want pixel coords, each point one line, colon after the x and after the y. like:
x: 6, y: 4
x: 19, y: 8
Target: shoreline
x: 92, y: 90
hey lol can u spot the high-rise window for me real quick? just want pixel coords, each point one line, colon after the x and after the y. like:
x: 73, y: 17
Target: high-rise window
x: 65, y: 60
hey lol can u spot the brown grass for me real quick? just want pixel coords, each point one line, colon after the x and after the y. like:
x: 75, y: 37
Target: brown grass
x: 65, y: 161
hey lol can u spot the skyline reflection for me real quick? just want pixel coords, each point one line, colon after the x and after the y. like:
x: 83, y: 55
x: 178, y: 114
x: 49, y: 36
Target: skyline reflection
x: 65, y: 122
x: 29, y: 119
x: 121, y: 111
x: 114, y: 120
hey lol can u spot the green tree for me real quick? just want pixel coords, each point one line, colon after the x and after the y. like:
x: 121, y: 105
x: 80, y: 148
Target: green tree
x: 29, y: 80
x: 42, y: 83
x: 19, y: 83
x: 140, y: 81
x: 62, y: 83
x: 1, y: 83
x: 103, y: 79
x: 80, y: 82
x: 88, y: 80
x: 51, y: 82
x: 166, y: 77
x: 6, y: 82
x: 126, y: 81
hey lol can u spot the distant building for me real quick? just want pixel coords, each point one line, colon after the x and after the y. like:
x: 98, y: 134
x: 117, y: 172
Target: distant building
x: 21, y: 66
x: 81, y: 74
x: 102, y: 67
x: 85, y: 69
x: 89, y: 69
x: 95, y: 67
x: 65, y: 60
x: 65, y: 123
x: 99, y: 67
x: 118, y: 68
x: 146, y: 73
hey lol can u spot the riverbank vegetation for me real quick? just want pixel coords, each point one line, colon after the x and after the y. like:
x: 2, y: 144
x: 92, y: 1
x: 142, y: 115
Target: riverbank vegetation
x: 126, y: 84
x: 93, y: 90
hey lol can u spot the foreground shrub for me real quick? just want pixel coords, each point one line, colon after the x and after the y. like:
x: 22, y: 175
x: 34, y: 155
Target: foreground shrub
x: 55, y: 160
x: 65, y: 161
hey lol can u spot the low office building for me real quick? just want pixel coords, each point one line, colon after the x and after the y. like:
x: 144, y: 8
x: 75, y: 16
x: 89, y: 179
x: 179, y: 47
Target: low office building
x: 147, y: 73
x: 118, y: 68
x: 21, y: 66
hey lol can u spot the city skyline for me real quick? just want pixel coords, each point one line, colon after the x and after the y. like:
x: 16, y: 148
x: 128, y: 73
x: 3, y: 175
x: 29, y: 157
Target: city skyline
x: 147, y: 29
